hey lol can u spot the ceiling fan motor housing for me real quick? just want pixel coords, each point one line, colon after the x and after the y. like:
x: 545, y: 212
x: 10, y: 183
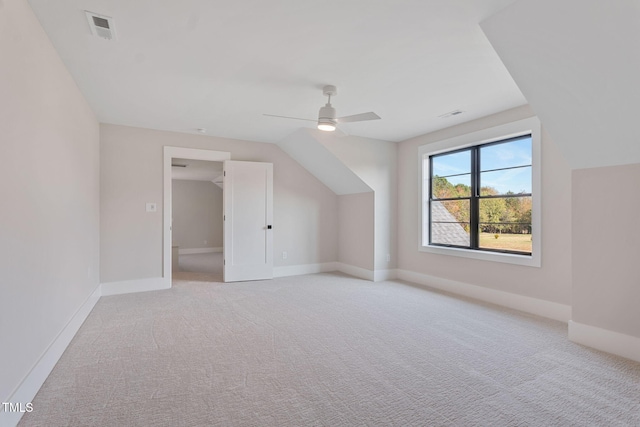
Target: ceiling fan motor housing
x: 327, y: 114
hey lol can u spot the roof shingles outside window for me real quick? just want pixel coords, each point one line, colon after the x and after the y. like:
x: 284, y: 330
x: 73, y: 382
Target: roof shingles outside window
x: 445, y: 229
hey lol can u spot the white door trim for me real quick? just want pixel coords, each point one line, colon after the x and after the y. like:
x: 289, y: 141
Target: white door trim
x: 169, y: 154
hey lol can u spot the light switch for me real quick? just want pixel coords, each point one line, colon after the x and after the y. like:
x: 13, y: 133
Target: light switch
x: 152, y: 207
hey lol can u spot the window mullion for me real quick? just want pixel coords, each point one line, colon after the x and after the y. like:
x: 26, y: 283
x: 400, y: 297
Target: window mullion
x: 430, y: 198
x: 475, y: 204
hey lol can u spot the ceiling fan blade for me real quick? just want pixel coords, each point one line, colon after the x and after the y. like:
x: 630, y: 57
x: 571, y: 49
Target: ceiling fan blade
x: 359, y: 117
x: 287, y: 117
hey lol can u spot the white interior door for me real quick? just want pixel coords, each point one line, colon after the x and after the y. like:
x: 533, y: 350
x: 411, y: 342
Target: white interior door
x: 248, y: 216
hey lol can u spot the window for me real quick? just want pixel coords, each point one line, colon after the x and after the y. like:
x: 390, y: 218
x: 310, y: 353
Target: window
x: 480, y: 196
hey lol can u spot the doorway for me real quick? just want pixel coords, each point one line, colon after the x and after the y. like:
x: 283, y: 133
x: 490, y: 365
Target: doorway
x: 247, y: 215
x: 196, y: 220
x: 199, y: 159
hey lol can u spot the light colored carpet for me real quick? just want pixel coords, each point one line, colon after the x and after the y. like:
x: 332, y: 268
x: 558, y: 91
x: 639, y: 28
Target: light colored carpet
x: 328, y: 350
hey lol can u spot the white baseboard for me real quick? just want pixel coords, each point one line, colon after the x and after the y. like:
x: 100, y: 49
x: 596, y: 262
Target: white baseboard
x: 363, y: 273
x: 382, y: 275
x: 298, y: 270
x: 548, y: 309
x: 191, y: 251
x: 602, y: 339
x: 139, y: 285
x: 352, y: 270
x: 30, y: 385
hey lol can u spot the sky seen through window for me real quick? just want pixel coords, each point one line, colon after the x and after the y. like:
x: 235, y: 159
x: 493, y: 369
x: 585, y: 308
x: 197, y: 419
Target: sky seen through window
x: 456, y: 167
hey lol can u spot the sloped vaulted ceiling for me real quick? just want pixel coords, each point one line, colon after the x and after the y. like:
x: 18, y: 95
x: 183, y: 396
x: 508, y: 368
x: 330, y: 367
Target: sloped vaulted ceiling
x: 578, y: 64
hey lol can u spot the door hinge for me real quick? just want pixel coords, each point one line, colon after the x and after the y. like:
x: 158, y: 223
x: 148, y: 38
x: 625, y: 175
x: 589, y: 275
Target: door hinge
x: 224, y: 262
x: 224, y: 173
x: 224, y: 217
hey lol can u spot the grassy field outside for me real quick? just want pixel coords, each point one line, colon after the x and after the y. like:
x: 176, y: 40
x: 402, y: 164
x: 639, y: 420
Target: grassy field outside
x: 508, y: 242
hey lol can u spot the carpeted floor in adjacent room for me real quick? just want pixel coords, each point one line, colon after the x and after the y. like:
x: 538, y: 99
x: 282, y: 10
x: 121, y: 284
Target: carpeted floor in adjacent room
x: 327, y: 350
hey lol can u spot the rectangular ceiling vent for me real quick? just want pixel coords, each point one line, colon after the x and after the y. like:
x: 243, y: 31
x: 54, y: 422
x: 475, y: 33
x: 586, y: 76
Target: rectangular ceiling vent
x: 451, y: 114
x: 101, y: 26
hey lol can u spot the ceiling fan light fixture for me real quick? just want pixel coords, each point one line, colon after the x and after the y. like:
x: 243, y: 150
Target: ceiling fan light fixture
x: 326, y: 126
x: 327, y: 118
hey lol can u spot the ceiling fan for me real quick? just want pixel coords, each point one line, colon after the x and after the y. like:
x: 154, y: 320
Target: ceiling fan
x: 327, y: 119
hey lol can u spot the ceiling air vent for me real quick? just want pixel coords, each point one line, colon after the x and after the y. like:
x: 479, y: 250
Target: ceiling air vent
x: 451, y: 114
x: 101, y: 26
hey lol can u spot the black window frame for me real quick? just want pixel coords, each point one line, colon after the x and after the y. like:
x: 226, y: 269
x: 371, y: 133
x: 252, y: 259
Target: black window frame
x: 475, y: 194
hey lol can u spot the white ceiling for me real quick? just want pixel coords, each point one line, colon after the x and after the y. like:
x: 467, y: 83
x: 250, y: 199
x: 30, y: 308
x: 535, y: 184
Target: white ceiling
x: 219, y: 65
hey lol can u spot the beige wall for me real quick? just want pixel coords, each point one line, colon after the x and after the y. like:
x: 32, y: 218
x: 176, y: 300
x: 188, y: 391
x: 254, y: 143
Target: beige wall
x: 131, y: 159
x: 606, y: 233
x: 196, y: 214
x: 356, y: 230
x: 374, y: 161
x: 50, y: 203
x: 551, y: 282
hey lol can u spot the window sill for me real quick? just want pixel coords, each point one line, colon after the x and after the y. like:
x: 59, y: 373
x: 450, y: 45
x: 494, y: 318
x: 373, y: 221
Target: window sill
x: 525, y: 260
